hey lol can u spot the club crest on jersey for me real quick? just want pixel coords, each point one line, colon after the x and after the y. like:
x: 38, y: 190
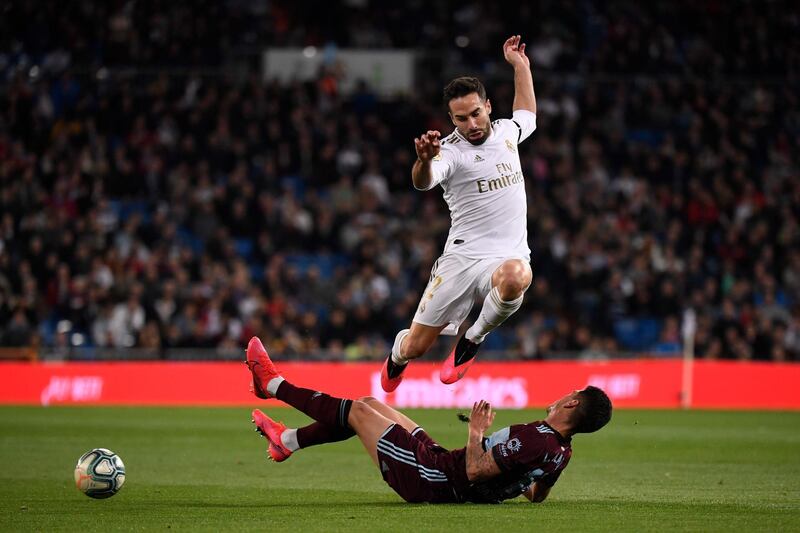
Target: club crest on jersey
x: 510, y: 146
x: 514, y: 445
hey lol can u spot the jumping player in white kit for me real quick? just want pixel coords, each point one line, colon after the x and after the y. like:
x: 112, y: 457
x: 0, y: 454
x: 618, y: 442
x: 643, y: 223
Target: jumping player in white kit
x: 486, y: 256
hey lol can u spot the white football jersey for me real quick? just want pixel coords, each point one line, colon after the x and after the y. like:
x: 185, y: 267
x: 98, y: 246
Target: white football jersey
x: 485, y: 190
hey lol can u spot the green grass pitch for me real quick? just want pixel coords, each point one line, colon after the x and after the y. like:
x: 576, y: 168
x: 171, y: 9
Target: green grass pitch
x: 205, y: 469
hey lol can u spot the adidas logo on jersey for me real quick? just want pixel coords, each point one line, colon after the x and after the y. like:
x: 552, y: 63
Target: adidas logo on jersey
x: 477, y: 159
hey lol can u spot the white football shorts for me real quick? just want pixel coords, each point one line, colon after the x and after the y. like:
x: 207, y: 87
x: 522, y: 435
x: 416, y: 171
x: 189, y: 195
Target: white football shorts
x: 456, y: 283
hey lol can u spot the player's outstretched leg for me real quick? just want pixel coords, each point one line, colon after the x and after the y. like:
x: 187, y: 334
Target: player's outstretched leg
x: 393, y: 367
x: 511, y: 279
x: 268, y: 383
x: 459, y: 361
x: 272, y: 431
x: 284, y: 441
x: 262, y: 368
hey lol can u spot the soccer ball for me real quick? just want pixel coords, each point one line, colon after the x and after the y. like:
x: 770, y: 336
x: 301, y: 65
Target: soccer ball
x: 99, y: 473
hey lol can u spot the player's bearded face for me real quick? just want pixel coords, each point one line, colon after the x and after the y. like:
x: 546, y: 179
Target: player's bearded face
x: 470, y: 115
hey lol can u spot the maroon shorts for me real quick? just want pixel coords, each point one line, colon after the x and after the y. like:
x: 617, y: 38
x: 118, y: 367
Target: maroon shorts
x: 417, y: 468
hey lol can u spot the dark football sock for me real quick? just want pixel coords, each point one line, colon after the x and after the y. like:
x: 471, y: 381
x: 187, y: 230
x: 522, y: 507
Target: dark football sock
x: 319, y: 406
x: 318, y: 433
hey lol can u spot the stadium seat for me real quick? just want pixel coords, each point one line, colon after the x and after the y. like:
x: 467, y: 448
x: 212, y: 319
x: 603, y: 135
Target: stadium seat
x: 326, y: 263
x: 187, y: 238
x: 637, y: 334
x: 244, y: 248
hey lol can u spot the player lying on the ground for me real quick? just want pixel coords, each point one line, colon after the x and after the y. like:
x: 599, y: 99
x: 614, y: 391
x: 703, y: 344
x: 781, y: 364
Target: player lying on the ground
x: 519, y: 459
x: 486, y: 256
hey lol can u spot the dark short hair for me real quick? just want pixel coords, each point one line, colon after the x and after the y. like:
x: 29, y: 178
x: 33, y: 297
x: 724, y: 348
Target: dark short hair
x: 462, y: 87
x: 593, y: 411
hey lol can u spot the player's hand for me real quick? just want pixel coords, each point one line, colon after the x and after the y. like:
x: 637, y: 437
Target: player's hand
x: 481, y: 417
x: 514, y: 52
x: 428, y: 145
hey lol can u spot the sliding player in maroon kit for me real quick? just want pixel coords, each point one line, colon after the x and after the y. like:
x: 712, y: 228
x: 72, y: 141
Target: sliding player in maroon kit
x: 519, y: 459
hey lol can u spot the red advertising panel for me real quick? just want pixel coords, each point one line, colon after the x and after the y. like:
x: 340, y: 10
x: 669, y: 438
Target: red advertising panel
x: 746, y: 385
x: 526, y: 384
x: 635, y: 383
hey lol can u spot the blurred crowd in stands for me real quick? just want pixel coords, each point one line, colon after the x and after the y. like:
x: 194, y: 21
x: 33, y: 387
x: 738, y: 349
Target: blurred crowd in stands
x: 158, y: 210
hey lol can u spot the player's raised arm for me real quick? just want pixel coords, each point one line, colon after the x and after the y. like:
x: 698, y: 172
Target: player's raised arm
x: 480, y: 463
x: 427, y: 147
x: 514, y: 52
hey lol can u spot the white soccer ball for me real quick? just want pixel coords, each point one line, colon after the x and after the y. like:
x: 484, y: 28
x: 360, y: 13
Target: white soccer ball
x: 99, y: 473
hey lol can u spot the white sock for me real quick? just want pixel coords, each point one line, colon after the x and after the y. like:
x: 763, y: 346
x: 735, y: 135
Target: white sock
x: 274, y: 383
x: 289, y: 439
x: 493, y: 313
x: 397, y: 357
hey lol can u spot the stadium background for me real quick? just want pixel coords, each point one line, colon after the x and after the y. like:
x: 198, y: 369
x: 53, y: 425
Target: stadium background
x: 177, y: 177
